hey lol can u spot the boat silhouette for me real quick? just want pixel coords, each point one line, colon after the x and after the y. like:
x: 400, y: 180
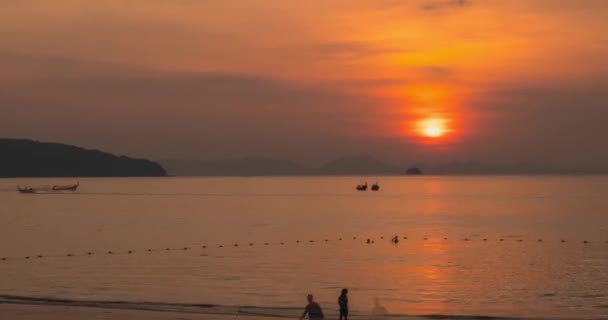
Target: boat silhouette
x: 71, y: 187
x: 362, y: 187
x: 26, y: 189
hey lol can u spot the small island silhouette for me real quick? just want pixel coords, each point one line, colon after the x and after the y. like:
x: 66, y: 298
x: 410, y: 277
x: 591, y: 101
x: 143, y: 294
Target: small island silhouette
x: 413, y: 171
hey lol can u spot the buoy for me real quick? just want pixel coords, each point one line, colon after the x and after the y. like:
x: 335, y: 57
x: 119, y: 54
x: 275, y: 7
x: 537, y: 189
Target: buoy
x: 381, y: 237
x: 466, y: 239
x: 445, y: 238
x: 585, y: 242
x: 563, y: 240
x: 354, y: 238
x: 520, y: 240
x: 186, y: 248
x: 110, y: 252
x: 282, y: 243
x: 130, y: 251
x: 501, y: 239
x: 221, y: 246
x: 484, y: 239
x: 340, y: 239
x: 326, y: 240
x: 250, y: 244
x: 69, y: 255
x: 40, y: 256
x: 3, y: 258
x: 204, y: 247
x: 266, y: 243
x: 89, y: 253
x: 297, y: 241
x: 149, y: 250
x: 425, y: 238
x: 27, y: 257
x: 236, y: 244
x: 404, y: 238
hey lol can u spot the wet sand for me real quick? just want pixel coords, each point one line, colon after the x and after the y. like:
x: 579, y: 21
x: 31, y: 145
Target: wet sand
x: 35, y: 312
x: 45, y: 312
x: 62, y: 312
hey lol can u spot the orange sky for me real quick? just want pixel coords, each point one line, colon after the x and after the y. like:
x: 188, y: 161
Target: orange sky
x: 364, y: 74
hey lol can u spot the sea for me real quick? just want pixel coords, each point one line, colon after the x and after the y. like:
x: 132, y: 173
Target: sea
x: 468, y: 246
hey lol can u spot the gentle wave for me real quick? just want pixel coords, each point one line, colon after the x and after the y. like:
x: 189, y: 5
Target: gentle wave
x: 202, y: 308
x: 147, y: 306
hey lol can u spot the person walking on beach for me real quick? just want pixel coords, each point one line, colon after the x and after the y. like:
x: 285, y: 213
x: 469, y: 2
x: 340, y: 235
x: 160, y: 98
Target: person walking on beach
x: 343, y: 302
x: 313, y: 310
x: 378, y: 309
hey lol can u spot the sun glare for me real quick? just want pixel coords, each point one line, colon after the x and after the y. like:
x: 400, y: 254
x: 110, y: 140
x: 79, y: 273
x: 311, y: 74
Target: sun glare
x: 432, y: 128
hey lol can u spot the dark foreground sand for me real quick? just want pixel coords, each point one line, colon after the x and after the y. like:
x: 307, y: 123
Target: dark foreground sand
x: 57, y: 312
x: 35, y: 312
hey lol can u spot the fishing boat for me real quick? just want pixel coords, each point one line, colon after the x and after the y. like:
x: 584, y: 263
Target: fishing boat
x: 362, y: 187
x: 26, y: 189
x: 375, y: 187
x: 71, y: 187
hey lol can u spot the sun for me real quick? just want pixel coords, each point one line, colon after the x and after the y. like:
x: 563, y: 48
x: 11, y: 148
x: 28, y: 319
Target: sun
x: 433, y: 131
x: 432, y: 128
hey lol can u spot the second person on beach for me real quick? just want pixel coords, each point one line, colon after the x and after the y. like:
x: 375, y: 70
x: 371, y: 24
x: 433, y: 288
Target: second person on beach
x: 313, y: 310
x: 343, y: 302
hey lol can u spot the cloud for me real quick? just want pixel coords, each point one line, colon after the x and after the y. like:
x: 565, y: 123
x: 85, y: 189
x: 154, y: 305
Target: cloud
x: 217, y: 115
x: 349, y: 49
x: 444, y: 4
x: 195, y: 115
x: 542, y: 123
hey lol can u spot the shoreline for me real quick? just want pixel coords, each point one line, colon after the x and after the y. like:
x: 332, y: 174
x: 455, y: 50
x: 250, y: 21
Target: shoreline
x: 80, y: 310
x: 33, y: 311
x: 25, y: 311
x: 29, y: 311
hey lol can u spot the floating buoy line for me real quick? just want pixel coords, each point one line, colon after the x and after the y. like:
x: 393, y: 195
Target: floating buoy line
x: 395, y: 240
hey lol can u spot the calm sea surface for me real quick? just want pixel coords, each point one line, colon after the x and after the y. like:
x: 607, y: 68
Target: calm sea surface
x: 434, y: 271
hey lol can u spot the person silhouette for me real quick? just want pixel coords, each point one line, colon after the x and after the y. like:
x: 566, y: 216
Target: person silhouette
x: 378, y: 308
x: 313, y: 310
x: 343, y: 303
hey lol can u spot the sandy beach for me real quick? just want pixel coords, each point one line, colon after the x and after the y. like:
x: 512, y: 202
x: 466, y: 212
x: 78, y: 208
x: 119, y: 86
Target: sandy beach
x: 35, y: 312
x: 58, y: 312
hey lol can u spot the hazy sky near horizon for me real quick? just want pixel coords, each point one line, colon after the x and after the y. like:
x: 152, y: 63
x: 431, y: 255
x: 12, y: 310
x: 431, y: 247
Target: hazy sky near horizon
x: 498, y: 81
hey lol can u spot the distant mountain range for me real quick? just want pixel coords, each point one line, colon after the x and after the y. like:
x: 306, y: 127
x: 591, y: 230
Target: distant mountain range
x: 356, y: 165
x: 27, y: 158
x: 258, y: 166
x: 252, y: 166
